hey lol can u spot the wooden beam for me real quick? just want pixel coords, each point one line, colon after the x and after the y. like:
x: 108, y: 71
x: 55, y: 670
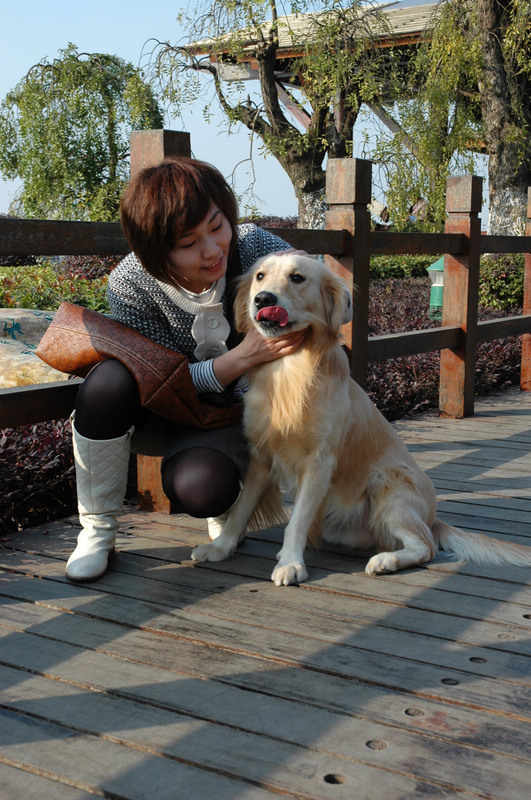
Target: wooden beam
x: 395, y: 345
x: 149, y: 148
x: 37, y: 237
x: 26, y: 405
x: 387, y: 242
x: 348, y: 194
x: 460, y: 297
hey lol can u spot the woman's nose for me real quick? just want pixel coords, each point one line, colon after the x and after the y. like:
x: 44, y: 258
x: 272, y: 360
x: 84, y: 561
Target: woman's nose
x: 211, y: 247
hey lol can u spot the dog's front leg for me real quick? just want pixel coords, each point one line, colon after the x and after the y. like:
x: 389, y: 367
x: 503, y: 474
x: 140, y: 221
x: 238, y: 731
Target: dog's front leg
x: 225, y: 544
x: 312, y: 488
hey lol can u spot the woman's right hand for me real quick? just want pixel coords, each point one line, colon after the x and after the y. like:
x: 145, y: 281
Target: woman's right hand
x: 255, y: 349
x: 259, y: 349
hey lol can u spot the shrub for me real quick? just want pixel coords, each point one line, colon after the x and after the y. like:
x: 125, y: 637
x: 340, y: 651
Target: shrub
x: 88, y: 267
x: 410, y: 384
x: 400, y: 266
x: 37, y: 482
x: 46, y: 285
x: 501, y: 283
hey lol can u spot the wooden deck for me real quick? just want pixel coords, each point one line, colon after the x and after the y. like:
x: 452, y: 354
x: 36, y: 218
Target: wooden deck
x: 171, y: 680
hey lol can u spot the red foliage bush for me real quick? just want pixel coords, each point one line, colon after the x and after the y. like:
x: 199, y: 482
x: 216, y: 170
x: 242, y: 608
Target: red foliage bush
x: 409, y: 385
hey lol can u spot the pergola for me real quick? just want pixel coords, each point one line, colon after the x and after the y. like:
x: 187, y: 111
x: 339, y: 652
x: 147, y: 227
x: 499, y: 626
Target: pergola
x: 406, y: 28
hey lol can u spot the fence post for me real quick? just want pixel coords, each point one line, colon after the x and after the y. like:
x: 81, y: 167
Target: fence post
x: 149, y: 148
x: 348, y: 193
x: 525, y: 373
x: 460, y: 296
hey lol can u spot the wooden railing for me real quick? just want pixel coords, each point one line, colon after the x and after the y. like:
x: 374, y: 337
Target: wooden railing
x: 347, y: 244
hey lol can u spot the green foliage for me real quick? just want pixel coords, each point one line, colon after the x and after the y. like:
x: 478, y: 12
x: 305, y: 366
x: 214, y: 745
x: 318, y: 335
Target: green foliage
x: 440, y: 115
x: 400, y: 266
x: 48, y: 284
x: 501, y: 284
x: 64, y: 131
x: 337, y: 66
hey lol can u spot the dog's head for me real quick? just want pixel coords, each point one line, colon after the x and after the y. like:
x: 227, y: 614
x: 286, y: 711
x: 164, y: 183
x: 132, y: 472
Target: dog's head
x: 291, y: 292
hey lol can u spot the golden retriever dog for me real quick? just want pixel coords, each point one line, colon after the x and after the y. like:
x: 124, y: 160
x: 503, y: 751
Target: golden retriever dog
x: 314, y: 431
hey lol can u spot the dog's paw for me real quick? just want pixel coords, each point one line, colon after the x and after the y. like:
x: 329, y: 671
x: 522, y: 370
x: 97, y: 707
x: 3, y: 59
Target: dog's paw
x: 209, y: 552
x: 286, y: 574
x: 382, y: 564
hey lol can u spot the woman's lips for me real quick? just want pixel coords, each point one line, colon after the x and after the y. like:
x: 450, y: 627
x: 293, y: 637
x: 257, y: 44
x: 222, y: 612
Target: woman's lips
x: 214, y: 267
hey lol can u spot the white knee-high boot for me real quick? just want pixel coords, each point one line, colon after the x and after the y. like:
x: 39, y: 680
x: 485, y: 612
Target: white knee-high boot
x: 101, y: 478
x: 216, y: 524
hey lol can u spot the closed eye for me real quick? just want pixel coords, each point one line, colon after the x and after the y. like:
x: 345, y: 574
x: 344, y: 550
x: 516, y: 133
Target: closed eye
x: 296, y: 277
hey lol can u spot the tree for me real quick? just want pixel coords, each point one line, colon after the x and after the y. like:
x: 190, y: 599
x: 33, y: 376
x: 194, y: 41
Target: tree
x: 504, y: 31
x: 314, y: 70
x: 472, y: 80
x: 64, y: 131
x: 438, y: 121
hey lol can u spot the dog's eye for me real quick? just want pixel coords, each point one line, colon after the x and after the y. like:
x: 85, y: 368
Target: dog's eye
x: 296, y: 277
x: 259, y: 276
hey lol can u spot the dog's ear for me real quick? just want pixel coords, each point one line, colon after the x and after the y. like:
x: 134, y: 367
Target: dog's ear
x: 337, y: 302
x: 242, y: 319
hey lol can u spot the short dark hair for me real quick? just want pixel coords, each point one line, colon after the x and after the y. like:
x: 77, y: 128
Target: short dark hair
x: 161, y: 203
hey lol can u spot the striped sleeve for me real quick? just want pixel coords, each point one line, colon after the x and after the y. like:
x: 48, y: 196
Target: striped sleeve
x: 204, y: 378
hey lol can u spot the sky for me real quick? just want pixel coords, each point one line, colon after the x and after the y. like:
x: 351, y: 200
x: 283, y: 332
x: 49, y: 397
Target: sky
x: 33, y: 30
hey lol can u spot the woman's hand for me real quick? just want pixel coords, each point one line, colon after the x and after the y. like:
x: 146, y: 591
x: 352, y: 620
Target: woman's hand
x: 255, y: 349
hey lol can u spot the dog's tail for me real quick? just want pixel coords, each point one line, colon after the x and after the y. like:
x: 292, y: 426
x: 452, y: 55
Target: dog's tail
x: 478, y: 548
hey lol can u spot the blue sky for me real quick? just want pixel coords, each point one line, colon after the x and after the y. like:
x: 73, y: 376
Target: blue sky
x: 33, y: 30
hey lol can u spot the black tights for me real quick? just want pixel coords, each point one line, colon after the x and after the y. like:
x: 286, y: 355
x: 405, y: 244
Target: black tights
x: 199, y: 481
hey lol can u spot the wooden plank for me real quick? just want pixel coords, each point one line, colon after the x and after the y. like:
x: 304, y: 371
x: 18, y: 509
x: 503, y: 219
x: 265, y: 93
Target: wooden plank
x: 370, y: 679
x: 20, y: 784
x: 327, y: 630
x: 389, y: 243
x: 314, y: 241
x: 275, y: 760
x: 111, y: 768
x: 488, y: 330
x: 37, y: 237
x: 37, y: 403
x: 505, y: 244
x: 369, y: 618
x: 129, y: 677
x: 395, y: 345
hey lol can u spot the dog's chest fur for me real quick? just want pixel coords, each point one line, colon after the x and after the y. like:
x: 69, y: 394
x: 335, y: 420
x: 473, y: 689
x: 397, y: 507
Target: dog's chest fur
x: 286, y: 408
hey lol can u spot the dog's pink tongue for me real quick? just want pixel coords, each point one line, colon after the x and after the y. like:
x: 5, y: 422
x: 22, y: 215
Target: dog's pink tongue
x: 273, y: 314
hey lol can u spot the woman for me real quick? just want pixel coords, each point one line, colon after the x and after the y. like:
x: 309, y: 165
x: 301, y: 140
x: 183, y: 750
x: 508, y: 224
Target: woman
x: 180, y: 219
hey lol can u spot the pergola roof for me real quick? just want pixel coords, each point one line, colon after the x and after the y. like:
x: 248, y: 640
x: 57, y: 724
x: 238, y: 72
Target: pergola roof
x: 407, y: 26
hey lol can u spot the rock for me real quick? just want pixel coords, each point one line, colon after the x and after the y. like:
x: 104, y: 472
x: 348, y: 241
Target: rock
x: 20, y: 332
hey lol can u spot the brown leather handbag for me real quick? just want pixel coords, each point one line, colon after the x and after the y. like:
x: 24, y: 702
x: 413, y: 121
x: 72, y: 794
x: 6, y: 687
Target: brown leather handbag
x: 77, y: 339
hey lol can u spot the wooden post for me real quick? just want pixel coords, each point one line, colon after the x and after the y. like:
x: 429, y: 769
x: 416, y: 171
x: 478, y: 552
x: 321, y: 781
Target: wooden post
x: 348, y: 193
x: 460, y: 296
x: 525, y: 374
x: 149, y: 148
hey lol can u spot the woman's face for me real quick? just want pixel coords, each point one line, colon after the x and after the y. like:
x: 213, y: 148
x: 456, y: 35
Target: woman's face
x: 200, y: 255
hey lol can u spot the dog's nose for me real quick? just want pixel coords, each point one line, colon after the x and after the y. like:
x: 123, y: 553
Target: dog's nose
x: 264, y: 299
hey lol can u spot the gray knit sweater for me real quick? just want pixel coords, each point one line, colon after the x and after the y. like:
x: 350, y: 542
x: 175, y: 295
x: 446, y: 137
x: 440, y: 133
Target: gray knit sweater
x: 146, y: 304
